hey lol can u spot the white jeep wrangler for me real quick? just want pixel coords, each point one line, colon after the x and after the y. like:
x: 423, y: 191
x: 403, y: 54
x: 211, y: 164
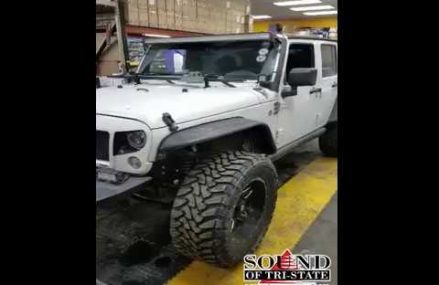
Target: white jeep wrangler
x: 206, y: 116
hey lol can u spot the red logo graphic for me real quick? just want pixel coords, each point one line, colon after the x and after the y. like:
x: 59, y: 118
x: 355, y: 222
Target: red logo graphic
x: 287, y: 262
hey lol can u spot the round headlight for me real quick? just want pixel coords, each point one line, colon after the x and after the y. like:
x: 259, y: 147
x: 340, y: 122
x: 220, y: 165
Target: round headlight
x: 136, y: 139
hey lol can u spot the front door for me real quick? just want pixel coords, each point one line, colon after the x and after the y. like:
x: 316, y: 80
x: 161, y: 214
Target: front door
x: 296, y: 116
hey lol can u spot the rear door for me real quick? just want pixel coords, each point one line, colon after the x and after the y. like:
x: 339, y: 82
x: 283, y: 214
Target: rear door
x: 326, y: 62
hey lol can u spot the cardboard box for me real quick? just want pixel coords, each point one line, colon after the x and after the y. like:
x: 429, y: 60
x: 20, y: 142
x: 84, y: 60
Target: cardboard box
x: 130, y: 11
x: 143, y: 18
x: 178, y: 22
x: 169, y: 5
x: 218, y: 6
x: 161, y: 5
x: 219, y: 22
x: 153, y: 18
x: 204, y: 16
x: 170, y: 18
x: 203, y: 12
x: 132, y: 16
x: 142, y: 4
x: 178, y: 8
x: 237, y: 5
x: 163, y: 20
x: 189, y: 25
x: 143, y: 13
x: 189, y: 9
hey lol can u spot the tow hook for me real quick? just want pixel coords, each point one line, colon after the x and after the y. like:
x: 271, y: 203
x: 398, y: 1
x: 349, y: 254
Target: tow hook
x: 111, y: 176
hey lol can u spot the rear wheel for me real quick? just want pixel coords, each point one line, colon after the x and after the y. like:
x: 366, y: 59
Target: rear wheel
x: 224, y: 207
x: 328, y: 141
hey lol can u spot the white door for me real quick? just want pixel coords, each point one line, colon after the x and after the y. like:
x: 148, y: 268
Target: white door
x: 296, y: 117
x: 326, y: 80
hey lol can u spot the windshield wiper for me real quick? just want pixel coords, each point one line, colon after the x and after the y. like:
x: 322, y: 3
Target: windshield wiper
x: 129, y: 76
x: 216, y: 77
x: 135, y: 77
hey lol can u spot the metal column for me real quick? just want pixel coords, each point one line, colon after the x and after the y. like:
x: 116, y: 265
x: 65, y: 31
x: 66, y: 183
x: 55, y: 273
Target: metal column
x: 120, y: 29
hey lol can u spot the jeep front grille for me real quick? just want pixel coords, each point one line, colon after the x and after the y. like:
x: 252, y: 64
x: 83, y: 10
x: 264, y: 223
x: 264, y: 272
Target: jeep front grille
x: 102, y: 145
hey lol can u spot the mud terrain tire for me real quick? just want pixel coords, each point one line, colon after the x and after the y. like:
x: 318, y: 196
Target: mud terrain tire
x: 224, y: 207
x: 328, y: 141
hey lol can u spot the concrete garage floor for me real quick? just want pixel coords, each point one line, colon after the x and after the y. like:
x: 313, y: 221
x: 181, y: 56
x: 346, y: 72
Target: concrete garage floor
x: 133, y: 243
x: 321, y: 237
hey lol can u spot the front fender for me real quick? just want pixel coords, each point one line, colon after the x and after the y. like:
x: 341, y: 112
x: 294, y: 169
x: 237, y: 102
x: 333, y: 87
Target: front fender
x: 214, y: 130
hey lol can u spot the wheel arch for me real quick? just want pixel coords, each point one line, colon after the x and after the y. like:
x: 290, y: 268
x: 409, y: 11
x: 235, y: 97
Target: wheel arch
x: 215, y: 130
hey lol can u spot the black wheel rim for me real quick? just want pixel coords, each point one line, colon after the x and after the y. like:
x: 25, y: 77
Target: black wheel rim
x: 247, y: 214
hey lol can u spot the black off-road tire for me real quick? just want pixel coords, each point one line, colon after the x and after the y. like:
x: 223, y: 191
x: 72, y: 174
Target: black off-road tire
x: 328, y: 141
x: 201, y: 224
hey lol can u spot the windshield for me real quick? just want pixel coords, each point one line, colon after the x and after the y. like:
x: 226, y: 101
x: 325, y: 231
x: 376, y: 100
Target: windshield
x: 235, y: 60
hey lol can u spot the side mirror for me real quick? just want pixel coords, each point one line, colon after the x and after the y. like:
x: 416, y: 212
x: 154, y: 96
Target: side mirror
x: 302, y: 77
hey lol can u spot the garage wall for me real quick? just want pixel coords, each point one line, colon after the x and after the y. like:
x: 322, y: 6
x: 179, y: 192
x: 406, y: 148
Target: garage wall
x: 202, y: 16
x: 291, y: 25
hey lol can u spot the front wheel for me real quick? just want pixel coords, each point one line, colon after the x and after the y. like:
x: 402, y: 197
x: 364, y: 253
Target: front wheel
x: 224, y: 207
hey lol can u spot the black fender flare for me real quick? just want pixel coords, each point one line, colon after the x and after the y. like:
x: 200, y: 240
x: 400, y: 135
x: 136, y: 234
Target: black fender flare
x: 214, y: 130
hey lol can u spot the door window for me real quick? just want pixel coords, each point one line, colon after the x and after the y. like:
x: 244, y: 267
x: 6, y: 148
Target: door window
x: 329, y: 60
x: 299, y: 55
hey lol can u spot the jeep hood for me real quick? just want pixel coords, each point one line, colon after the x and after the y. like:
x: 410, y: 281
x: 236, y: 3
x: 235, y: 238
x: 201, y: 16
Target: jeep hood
x: 148, y: 102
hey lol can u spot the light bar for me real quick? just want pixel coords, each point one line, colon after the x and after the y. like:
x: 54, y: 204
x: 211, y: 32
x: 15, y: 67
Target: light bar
x: 296, y: 2
x: 320, y: 13
x: 156, y: 36
x: 259, y: 17
x: 312, y: 8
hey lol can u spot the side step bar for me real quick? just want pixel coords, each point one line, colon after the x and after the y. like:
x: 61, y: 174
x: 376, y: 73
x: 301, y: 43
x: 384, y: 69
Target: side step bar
x: 291, y: 146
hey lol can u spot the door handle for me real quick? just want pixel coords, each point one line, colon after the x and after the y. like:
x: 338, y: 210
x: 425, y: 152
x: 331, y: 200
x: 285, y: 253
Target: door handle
x: 334, y: 85
x: 315, y: 90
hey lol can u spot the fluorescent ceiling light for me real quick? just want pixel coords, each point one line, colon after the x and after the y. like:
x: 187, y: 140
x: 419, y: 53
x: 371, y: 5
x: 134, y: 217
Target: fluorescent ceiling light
x: 156, y: 36
x: 320, y: 13
x: 258, y: 17
x: 312, y: 8
x: 297, y: 2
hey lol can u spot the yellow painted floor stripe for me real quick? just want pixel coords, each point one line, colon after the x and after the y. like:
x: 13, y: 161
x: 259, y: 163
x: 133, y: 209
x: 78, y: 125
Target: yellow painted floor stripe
x: 300, y: 200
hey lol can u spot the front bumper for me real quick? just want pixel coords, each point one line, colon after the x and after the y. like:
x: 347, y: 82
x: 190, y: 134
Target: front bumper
x: 105, y: 190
